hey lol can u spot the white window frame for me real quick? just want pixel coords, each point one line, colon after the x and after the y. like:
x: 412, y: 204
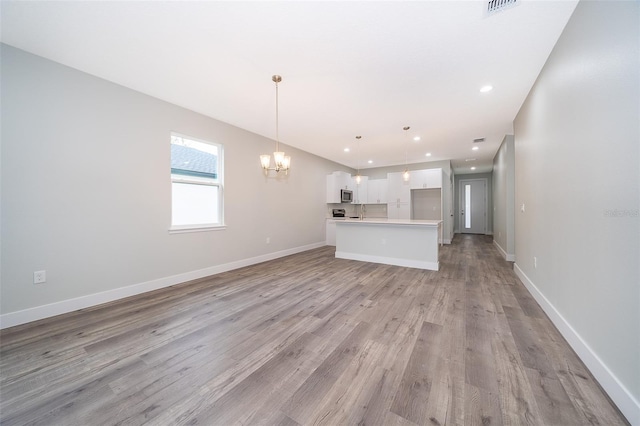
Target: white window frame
x: 193, y: 180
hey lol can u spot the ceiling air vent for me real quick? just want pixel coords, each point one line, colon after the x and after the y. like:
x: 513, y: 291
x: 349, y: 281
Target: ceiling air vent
x: 494, y: 6
x: 478, y: 140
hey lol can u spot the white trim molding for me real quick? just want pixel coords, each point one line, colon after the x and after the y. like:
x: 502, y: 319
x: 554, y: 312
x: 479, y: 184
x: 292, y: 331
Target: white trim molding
x: 409, y: 263
x: 507, y: 256
x: 626, y: 402
x: 65, y: 306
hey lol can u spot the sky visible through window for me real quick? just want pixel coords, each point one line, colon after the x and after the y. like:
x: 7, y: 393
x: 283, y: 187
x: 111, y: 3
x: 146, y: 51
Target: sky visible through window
x: 200, y: 146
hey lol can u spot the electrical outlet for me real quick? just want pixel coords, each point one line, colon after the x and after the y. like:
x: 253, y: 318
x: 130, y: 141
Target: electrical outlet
x: 268, y: 240
x: 39, y: 277
x: 535, y: 262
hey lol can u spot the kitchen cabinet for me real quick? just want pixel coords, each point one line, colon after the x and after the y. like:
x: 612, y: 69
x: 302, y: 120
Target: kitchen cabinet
x: 330, y: 232
x: 360, y: 194
x: 377, y: 191
x: 399, y: 210
x: 398, y: 190
x: 426, y: 179
x: 335, y: 182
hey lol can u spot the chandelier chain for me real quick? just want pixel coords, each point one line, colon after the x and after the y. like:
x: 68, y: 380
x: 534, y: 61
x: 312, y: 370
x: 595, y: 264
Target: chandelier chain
x: 282, y: 161
x: 406, y: 145
x: 277, y: 121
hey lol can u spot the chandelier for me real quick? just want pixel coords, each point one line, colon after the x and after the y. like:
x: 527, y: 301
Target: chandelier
x: 282, y: 161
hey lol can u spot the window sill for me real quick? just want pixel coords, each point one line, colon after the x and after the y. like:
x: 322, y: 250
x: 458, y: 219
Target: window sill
x: 195, y: 228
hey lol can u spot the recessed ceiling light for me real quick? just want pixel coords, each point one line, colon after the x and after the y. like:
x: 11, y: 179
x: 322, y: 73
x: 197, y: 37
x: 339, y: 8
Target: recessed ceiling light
x: 370, y: 161
x: 485, y: 89
x: 428, y: 154
x: 416, y: 138
x: 346, y: 150
x: 470, y: 159
x: 473, y: 168
x: 475, y: 148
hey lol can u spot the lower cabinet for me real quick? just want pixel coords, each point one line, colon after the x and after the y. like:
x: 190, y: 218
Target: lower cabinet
x: 330, y: 232
x: 398, y: 211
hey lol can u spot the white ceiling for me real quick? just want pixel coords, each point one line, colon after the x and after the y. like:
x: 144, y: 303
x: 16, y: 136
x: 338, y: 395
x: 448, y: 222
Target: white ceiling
x: 348, y: 68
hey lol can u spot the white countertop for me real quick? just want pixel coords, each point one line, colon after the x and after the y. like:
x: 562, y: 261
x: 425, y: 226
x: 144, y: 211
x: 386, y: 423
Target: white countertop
x: 385, y: 221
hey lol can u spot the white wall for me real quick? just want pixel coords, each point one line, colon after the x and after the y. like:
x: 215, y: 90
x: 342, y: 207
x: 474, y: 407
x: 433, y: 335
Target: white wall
x: 381, y: 172
x: 86, y: 192
x: 577, y: 139
x: 504, y: 198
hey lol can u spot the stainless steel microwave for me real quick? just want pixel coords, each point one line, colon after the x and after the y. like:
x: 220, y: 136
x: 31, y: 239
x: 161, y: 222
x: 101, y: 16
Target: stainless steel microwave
x: 346, y: 196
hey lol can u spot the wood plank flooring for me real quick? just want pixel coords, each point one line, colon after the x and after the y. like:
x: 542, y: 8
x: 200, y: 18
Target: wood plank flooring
x: 308, y: 339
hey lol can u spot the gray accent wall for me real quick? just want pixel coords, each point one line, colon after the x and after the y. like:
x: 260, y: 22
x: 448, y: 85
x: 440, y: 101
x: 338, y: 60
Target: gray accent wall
x: 577, y: 171
x: 504, y: 198
x: 86, y: 190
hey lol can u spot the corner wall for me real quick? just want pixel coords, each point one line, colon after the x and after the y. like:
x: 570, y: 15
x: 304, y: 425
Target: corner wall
x: 86, y: 193
x: 577, y: 141
x: 504, y: 198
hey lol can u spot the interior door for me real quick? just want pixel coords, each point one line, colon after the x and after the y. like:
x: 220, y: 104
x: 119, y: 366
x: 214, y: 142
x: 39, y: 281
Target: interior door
x: 473, y: 206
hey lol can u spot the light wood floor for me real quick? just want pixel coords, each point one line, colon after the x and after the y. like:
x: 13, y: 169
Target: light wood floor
x: 308, y: 339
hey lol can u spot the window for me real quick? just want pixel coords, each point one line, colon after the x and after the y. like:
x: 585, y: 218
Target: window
x: 467, y: 206
x: 196, y: 184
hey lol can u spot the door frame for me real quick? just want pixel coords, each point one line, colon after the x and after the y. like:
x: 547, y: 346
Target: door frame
x: 461, y: 183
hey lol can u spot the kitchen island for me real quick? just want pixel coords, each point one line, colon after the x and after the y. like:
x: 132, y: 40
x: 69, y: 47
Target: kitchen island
x: 411, y: 243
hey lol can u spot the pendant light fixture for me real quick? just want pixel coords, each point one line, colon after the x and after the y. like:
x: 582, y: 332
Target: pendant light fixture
x: 358, y: 177
x: 406, y: 175
x: 282, y: 161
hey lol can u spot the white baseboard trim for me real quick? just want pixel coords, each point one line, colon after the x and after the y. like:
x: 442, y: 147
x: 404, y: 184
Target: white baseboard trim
x: 447, y: 241
x: 420, y: 264
x: 65, y: 306
x: 626, y: 402
x: 508, y: 257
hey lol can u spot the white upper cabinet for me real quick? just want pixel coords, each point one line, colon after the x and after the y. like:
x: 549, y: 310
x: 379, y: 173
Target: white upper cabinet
x: 335, y: 182
x: 377, y: 191
x: 422, y: 179
x: 399, y: 191
x: 360, y: 191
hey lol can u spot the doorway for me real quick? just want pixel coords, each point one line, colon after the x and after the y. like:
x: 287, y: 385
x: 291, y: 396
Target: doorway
x: 473, y: 206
